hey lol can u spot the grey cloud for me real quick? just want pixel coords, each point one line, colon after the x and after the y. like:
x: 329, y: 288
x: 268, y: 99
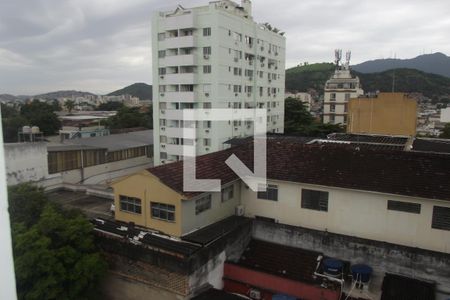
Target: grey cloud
x: 102, y: 45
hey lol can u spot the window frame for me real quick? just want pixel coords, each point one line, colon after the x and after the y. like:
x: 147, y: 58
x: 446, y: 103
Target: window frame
x: 203, y: 204
x: 130, y: 201
x: 322, y: 203
x: 405, y: 207
x: 168, y: 209
x: 270, y: 194
x: 207, y: 31
x: 440, y: 224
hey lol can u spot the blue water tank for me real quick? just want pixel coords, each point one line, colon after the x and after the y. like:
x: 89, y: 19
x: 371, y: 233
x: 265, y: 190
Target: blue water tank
x: 333, y: 266
x: 282, y: 297
x: 361, y: 272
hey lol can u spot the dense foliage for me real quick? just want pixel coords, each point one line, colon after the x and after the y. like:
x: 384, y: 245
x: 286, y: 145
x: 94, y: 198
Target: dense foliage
x: 110, y: 106
x: 298, y: 121
x: 130, y: 117
x: 314, y: 76
x: 54, y: 252
x: 35, y: 113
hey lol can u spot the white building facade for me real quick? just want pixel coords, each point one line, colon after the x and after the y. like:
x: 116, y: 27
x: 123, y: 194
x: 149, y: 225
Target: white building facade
x: 214, y: 56
x: 338, y: 90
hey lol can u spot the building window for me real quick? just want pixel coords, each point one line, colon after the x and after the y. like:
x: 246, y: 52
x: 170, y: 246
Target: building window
x: 206, y: 50
x: 316, y: 200
x: 347, y: 96
x: 130, y: 204
x: 207, y: 69
x: 404, y: 206
x: 163, y: 155
x: 227, y: 193
x: 161, y: 53
x: 271, y: 193
x: 206, y: 142
x: 333, y: 97
x: 207, y: 31
x: 202, y: 204
x: 332, y: 108
x: 441, y: 218
x: 161, y: 36
x: 164, y: 212
x: 206, y: 124
x: 332, y: 119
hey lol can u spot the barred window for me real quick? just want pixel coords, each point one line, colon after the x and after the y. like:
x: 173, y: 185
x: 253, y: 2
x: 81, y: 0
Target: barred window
x: 227, y: 193
x: 404, y: 206
x: 441, y: 218
x: 202, y: 204
x: 207, y: 69
x: 271, y: 193
x: 130, y: 204
x: 161, y: 211
x: 206, y: 50
x: 315, y: 200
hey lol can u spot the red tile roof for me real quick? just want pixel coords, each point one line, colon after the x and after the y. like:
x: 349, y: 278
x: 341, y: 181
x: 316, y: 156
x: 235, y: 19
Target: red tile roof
x: 423, y: 175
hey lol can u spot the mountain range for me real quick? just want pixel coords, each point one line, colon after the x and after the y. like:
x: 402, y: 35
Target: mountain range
x: 436, y: 63
x: 141, y: 90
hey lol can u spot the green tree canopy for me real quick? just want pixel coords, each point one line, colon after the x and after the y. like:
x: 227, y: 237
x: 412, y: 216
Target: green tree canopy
x: 55, y: 256
x: 42, y: 115
x: 298, y: 121
x: 109, y: 106
x: 129, y: 117
x: 69, y: 104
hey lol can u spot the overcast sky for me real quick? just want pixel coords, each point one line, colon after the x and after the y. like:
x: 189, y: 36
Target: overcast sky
x: 104, y: 45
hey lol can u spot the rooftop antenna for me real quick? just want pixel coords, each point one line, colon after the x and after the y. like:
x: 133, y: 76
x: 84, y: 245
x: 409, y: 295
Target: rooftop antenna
x: 338, y: 57
x: 348, y: 56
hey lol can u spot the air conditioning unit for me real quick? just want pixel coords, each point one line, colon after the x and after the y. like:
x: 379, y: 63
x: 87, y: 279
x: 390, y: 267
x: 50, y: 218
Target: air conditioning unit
x: 236, y: 94
x: 248, y: 126
x: 236, y: 59
x: 163, y: 128
x: 250, y: 78
x: 163, y: 161
x: 255, y: 294
x: 163, y: 146
x: 270, y: 80
x: 262, y: 48
x: 207, y: 130
x: 276, y: 67
x: 207, y: 149
x: 206, y: 56
x: 249, y: 94
x: 162, y: 94
x: 235, y: 128
x: 163, y: 111
x: 206, y: 94
x: 262, y: 65
x: 162, y: 76
x: 239, y: 211
x: 276, y: 53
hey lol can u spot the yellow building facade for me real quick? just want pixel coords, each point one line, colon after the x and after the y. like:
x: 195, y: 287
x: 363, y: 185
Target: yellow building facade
x: 386, y: 113
x: 134, y: 197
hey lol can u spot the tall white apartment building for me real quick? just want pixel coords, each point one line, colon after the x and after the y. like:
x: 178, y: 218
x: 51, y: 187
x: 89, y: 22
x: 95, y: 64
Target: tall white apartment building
x: 338, y: 90
x: 213, y: 56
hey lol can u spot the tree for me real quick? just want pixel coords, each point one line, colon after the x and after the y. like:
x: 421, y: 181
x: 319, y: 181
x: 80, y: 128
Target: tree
x: 69, y: 104
x: 41, y: 114
x: 109, y: 106
x: 55, y: 256
x: 128, y: 117
x: 12, y: 121
x: 296, y: 116
x: 446, y: 132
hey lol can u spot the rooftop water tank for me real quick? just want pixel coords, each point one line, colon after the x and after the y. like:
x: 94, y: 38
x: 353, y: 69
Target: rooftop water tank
x: 34, y: 129
x: 26, y: 129
x: 361, y: 272
x: 332, y: 267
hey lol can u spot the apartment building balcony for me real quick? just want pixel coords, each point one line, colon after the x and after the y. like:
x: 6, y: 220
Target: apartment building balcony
x: 179, y: 78
x: 178, y: 97
x: 176, y: 132
x: 179, y: 42
x: 179, y: 60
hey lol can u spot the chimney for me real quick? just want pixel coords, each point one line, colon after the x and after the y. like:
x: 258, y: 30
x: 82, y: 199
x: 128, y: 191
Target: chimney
x: 247, y: 5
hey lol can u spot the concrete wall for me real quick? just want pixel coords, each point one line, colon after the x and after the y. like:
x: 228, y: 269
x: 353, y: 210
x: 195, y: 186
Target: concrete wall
x: 382, y: 257
x: 219, y: 210
x: 354, y: 213
x: 388, y: 113
x: 25, y: 162
x: 445, y: 115
x: 107, y: 172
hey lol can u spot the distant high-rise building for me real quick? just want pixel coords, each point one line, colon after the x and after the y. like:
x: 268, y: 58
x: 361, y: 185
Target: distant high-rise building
x: 338, y: 90
x: 213, y: 56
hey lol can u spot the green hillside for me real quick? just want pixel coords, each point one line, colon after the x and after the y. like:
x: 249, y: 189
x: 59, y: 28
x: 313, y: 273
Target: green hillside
x: 314, y: 76
x: 141, y: 90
